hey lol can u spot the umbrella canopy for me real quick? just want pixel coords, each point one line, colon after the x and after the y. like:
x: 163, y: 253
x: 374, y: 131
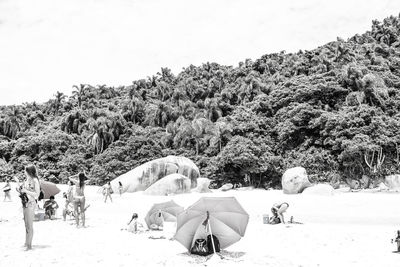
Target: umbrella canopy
x: 165, y: 211
x: 49, y: 189
x: 224, y: 215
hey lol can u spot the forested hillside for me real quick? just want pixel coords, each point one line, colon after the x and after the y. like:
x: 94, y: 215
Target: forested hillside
x: 334, y: 110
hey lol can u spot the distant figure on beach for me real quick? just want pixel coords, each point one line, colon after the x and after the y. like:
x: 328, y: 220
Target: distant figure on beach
x: 7, y: 190
x: 158, y: 222
x: 79, y: 197
x: 277, y: 211
x: 120, y: 188
x: 68, y: 199
x: 50, y: 207
x: 29, y: 192
x: 107, y: 191
x: 133, y: 225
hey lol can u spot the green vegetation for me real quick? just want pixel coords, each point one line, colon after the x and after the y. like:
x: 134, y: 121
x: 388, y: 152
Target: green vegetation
x: 334, y: 110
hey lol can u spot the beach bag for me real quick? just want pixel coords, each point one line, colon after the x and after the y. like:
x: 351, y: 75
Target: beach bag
x: 111, y: 191
x: 200, y: 248
x: 41, y: 195
x: 210, y: 244
x: 275, y: 220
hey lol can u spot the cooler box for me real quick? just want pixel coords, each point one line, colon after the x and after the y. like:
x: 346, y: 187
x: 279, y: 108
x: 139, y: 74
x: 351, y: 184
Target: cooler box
x: 39, y: 215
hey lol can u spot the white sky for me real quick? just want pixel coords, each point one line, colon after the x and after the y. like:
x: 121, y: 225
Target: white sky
x: 50, y: 45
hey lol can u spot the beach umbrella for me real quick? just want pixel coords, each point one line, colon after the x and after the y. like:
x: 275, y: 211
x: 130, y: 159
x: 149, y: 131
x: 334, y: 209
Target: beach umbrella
x: 223, y: 217
x: 165, y: 211
x: 49, y: 189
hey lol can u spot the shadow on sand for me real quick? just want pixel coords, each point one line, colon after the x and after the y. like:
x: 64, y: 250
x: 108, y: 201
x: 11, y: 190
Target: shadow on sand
x: 223, y: 255
x: 34, y: 247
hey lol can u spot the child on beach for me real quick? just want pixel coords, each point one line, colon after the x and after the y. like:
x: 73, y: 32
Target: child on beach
x: 50, y: 207
x: 133, y: 225
x: 68, y: 199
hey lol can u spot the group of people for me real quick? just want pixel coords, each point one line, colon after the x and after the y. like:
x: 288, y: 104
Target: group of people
x: 76, y: 196
x: 108, y: 191
x: 29, y: 191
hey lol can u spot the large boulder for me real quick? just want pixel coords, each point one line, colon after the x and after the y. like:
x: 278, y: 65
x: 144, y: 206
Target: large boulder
x: 143, y: 176
x: 319, y: 189
x: 295, y: 180
x: 202, y: 185
x: 393, y: 181
x: 226, y: 187
x: 171, y: 184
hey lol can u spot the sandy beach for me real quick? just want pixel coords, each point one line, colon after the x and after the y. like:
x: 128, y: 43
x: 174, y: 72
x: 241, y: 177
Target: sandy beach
x: 346, y: 229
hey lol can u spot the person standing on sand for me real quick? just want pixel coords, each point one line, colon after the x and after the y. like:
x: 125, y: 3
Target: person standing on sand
x: 7, y: 190
x: 107, y: 191
x: 68, y: 198
x: 79, y: 197
x: 277, y: 210
x: 29, y: 190
x: 120, y: 188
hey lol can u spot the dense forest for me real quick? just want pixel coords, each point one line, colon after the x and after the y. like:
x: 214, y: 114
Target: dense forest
x: 334, y: 110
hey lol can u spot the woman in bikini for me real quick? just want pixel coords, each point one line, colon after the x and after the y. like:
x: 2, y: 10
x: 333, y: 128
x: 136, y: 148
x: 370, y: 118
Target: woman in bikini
x: 79, y: 197
x: 7, y: 190
x: 31, y: 188
x: 107, y: 191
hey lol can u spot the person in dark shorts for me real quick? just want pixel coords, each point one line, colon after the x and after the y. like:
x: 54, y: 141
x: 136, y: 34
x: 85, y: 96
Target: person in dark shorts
x: 277, y: 210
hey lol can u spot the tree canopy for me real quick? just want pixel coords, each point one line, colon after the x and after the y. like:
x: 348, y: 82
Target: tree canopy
x: 334, y: 110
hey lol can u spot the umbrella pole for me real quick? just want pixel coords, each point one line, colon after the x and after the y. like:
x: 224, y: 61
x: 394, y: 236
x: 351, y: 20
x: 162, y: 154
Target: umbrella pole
x: 212, y: 239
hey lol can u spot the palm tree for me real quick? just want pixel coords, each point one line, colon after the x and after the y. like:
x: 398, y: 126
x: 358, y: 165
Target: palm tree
x: 57, y: 103
x: 11, y: 125
x: 101, y: 137
x: 134, y: 111
x: 152, y: 80
x: 166, y: 75
x: 73, y: 122
x: 79, y: 93
x: 183, y: 132
x: 160, y: 116
x: 221, y: 131
x: 202, y: 129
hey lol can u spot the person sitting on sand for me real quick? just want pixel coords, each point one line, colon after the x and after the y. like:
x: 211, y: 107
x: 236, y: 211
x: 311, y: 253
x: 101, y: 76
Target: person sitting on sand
x: 158, y: 222
x: 277, y: 210
x: 133, y: 225
x: 50, y: 207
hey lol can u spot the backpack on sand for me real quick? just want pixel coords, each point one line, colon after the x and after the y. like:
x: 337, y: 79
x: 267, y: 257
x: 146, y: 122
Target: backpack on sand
x: 210, y: 244
x: 200, y: 247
